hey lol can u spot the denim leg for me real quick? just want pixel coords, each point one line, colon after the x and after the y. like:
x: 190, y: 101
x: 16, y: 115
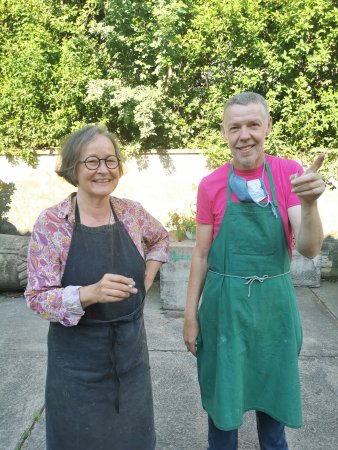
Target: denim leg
x: 271, y: 433
x: 221, y: 440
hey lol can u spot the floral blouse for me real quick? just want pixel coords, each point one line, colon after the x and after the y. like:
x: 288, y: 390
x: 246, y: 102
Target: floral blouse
x: 48, y: 251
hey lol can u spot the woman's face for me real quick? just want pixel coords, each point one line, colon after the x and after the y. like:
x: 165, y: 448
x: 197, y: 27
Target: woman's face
x: 100, y: 182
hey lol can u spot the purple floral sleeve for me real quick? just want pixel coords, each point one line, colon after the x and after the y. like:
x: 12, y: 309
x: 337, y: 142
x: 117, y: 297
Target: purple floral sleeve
x: 47, y: 255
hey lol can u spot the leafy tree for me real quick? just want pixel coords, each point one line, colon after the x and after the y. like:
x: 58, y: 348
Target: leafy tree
x: 138, y: 96
x: 47, y: 58
x: 6, y: 192
x: 158, y: 72
x: 281, y: 49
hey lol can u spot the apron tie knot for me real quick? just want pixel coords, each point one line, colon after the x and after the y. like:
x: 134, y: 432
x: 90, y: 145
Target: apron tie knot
x: 253, y: 278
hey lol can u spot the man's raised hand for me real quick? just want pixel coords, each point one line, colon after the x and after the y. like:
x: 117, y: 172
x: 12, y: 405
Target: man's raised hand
x: 309, y: 186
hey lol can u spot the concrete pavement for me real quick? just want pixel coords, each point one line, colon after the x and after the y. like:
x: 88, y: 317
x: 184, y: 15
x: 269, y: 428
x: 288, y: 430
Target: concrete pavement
x: 180, y: 420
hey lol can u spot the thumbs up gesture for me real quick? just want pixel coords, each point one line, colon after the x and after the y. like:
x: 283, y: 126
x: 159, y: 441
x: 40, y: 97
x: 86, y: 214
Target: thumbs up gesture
x: 309, y: 186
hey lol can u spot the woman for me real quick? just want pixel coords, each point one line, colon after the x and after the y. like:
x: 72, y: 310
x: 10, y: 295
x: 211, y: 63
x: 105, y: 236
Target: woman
x: 88, y: 276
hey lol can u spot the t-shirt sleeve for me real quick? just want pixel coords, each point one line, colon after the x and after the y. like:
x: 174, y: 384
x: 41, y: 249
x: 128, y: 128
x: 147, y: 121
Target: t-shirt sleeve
x: 204, y: 206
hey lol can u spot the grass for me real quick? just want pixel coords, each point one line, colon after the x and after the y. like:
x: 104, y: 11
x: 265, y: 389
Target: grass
x: 25, y: 435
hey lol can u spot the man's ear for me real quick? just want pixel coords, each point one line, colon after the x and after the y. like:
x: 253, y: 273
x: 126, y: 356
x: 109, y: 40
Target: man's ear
x: 269, y: 127
x: 222, y: 128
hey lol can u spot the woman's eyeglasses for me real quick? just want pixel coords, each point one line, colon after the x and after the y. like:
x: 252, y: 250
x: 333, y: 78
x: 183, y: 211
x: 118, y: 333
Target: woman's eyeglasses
x: 93, y: 162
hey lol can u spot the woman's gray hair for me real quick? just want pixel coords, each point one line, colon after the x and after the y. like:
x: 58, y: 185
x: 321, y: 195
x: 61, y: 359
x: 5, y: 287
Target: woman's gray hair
x: 73, y: 145
x: 244, y: 98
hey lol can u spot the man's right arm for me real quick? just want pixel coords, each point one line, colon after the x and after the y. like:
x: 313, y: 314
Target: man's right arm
x: 198, y: 271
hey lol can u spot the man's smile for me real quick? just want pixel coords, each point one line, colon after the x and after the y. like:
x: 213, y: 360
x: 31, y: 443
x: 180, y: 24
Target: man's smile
x: 245, y: 148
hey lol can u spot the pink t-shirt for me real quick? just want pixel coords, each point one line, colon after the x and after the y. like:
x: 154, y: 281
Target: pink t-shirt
x: 212, y: 191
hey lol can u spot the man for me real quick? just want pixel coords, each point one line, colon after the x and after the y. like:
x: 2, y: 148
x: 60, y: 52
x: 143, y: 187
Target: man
x: 248, y: 335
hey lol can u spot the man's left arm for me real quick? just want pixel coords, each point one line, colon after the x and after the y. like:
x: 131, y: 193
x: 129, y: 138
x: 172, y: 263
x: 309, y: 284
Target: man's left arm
x: 304, y: 218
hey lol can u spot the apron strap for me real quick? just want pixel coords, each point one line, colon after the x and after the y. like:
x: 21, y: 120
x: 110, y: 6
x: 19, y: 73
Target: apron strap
x: 113, y: 211
x: 272, y: 185
x: 77, y: 213
x: 229, y: 188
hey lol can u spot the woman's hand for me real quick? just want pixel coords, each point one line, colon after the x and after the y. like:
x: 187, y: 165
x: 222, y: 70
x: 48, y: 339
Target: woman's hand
x: 190, y: 333
x: 111, y: 288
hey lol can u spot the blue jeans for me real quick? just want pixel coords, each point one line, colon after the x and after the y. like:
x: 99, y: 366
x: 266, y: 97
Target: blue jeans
x: 271, y: 435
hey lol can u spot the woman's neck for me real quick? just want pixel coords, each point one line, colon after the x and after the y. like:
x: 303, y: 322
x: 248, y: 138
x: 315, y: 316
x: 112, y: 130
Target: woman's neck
x: 93, y: 212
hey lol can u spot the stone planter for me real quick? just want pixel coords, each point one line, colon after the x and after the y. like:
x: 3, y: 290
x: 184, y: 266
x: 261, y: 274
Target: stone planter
x: 174, y: 275
x: 13, y: 262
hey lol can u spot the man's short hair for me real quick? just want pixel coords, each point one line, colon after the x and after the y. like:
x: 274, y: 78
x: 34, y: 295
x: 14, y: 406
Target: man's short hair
x: 244, y: 98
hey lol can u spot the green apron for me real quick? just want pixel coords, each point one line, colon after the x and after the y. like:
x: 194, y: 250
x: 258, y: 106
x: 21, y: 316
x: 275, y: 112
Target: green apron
x: 250, y: 330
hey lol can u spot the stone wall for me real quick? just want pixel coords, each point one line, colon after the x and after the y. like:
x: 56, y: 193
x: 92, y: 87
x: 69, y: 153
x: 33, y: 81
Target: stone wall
x: 162, y: 183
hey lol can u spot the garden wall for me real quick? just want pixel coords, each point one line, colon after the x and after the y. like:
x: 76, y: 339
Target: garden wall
x: 161, y: 183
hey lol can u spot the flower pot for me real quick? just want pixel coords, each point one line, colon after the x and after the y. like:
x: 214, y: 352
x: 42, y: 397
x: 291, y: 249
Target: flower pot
x: 190, y: 235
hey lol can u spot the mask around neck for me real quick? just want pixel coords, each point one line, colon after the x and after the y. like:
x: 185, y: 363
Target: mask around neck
x: 248, y: 191
x: 239, y: 187
x: 257, y: 193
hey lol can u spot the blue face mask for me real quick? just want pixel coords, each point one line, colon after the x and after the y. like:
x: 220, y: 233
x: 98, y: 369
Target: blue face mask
x: 239, y: 186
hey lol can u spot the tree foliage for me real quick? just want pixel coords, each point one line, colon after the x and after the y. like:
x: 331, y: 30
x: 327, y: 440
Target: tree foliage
x: 47, y: 59
x: 6, y: 192
x: 158, y: 72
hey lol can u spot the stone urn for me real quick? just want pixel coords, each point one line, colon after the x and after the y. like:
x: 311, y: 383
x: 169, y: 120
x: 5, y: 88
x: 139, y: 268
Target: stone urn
x: 13, y: 262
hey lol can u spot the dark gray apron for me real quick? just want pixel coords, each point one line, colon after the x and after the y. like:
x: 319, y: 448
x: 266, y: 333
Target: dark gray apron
x: 98, y: 388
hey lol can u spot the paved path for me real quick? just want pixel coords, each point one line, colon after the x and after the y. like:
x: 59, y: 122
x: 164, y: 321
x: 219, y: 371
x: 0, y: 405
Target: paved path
x: 180, y: 421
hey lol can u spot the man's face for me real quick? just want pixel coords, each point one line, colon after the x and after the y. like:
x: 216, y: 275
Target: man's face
x: 245, y: 128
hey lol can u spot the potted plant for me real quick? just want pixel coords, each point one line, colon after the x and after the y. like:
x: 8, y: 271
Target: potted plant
x: 184, y: 224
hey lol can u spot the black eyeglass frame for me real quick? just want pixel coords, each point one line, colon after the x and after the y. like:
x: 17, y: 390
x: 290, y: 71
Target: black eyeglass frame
x: 99, y: 162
